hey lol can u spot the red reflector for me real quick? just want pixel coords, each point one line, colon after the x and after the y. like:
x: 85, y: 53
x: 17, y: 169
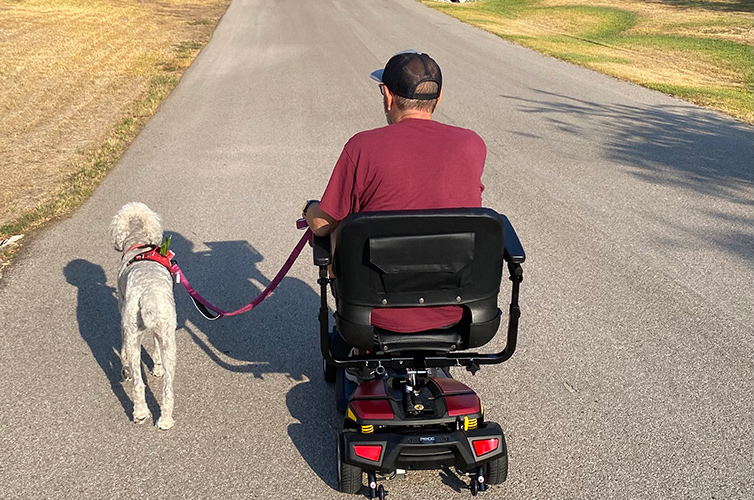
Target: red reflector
x: 483, y: 446
x: 370, y: 452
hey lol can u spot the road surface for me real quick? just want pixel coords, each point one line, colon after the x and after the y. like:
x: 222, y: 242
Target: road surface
x: 634, y: 373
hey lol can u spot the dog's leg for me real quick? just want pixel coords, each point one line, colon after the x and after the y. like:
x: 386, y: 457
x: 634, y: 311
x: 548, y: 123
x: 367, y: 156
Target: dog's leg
x: 167, y: 340
x: 125, y: 361
x: 126, y: 371
x: 133, y: 350
x: 157, y: 369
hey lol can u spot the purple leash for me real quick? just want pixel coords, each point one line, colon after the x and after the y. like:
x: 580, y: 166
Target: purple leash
x: 205, y: 307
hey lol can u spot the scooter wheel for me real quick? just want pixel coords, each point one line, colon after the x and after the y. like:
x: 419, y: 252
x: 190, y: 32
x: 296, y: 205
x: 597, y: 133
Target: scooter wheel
x: 496, y: 471
x: 349, y: 476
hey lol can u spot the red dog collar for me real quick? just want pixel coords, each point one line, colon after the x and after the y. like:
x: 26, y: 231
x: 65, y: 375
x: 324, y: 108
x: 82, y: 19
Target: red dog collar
x: 153, y: 255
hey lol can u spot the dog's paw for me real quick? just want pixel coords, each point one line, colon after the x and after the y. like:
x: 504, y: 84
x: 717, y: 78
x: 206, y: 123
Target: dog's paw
x: 158, y: 370
x: 126, y: 373
x: 165, y: 423
x: 141, y: 416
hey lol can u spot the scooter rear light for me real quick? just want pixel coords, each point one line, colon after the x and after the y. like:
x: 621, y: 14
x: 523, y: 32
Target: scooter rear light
x: 462, y: 404
x: 369, y: 452
x: 373, y: 409
x: 484, y: 446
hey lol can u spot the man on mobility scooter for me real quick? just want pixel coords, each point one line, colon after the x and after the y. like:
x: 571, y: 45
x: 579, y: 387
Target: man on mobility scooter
x: 418, y: 267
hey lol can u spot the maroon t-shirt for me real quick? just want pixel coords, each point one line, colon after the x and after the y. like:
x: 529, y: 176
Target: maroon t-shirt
x: 410, y: 165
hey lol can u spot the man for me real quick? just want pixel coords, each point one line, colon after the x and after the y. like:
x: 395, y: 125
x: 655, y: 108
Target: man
x: 412, y: 163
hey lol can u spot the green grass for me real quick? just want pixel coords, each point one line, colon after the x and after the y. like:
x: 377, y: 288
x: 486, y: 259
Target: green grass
x: 698, y: 51
x: 607, y: 21
x: 706, y: 96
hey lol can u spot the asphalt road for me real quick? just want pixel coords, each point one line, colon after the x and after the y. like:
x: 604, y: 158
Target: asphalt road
x: 634, y: 376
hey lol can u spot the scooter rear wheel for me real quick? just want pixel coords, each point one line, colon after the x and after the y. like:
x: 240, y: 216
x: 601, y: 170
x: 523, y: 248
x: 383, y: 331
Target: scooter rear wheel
x: 496, y: 471
x: 349, y: 476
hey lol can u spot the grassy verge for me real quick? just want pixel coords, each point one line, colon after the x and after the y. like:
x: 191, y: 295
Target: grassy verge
x: 699, y: 51
x: 80, y: 184
x: 79, y: 79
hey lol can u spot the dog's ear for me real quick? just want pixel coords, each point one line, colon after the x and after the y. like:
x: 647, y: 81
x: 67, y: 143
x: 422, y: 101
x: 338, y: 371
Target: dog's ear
x: 152, y: 226
x: 119, y: 230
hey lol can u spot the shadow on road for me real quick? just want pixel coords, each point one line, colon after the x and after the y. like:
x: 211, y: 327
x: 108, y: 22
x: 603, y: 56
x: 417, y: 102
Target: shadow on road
x: 97, y: 316
x: 279, y: 336
x: 674, y: 145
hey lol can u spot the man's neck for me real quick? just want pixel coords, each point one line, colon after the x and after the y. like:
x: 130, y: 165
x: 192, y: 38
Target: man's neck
x: 412, y: 113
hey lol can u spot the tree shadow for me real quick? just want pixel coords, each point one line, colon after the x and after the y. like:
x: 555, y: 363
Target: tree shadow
x: 670, y: 145
x: 280, y: 335
x: 724, y: 5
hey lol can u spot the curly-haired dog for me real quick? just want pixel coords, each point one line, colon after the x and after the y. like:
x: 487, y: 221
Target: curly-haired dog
x: 146, y: 303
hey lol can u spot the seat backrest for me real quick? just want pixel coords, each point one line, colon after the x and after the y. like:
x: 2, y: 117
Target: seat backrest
x: 417, y: 259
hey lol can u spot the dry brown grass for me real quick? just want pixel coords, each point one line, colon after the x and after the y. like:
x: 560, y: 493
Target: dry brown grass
x: 72, y: 70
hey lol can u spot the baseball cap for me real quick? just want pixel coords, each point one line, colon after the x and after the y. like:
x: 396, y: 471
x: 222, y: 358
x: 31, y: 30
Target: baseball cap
x: 405, y: 71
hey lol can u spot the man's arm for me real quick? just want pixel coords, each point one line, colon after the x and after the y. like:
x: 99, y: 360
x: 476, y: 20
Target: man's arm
x: 320, y: 222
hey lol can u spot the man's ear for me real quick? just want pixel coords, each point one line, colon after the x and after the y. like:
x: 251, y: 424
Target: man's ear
x: 389, y: 99
x: 439, y: 98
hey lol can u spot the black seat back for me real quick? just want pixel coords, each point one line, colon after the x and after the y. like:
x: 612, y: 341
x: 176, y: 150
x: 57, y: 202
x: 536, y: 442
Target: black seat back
x: 419, y: 259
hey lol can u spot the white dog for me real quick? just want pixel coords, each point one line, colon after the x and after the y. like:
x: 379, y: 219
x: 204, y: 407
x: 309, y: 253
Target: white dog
x: 146, y: 303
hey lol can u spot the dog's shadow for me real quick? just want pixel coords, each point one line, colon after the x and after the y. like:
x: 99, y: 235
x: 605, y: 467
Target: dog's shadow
x: 97, y: 317
x: 281, y: 335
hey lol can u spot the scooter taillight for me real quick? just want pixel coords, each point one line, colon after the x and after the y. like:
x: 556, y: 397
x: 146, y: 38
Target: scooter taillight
x: 484, y: 446
x: 373, y: 409
x: 369, y: 452
x: 462, y: 404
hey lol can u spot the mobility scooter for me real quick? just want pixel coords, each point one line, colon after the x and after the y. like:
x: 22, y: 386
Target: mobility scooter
x: 402, y: 409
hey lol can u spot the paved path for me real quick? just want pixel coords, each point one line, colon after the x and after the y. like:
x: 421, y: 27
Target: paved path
x: 634, y: 375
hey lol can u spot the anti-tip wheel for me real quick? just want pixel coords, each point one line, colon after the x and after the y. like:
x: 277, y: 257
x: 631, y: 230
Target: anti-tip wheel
x: 381, y: 492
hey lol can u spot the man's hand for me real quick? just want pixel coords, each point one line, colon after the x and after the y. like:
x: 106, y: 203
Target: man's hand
x: 306, y: 207
x: 319, y: 221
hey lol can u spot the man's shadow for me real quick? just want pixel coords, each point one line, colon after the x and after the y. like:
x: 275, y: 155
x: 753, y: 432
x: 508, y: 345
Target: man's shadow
x: 280, y: 335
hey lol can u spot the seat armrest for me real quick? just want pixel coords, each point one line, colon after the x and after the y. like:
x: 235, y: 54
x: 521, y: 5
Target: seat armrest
x: 513, y: 252
x: 322, y: 250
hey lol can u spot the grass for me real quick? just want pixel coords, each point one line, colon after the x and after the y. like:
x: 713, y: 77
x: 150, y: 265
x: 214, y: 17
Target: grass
x: 80, y: 184
x: 78, y: 81
x: 699, y: 51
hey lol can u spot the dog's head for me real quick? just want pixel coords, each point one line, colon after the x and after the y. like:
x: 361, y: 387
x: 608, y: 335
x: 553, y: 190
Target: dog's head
x: 135, y: 223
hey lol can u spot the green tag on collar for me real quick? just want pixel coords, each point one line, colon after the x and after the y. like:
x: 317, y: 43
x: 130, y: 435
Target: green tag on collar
x: 165, y: 246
